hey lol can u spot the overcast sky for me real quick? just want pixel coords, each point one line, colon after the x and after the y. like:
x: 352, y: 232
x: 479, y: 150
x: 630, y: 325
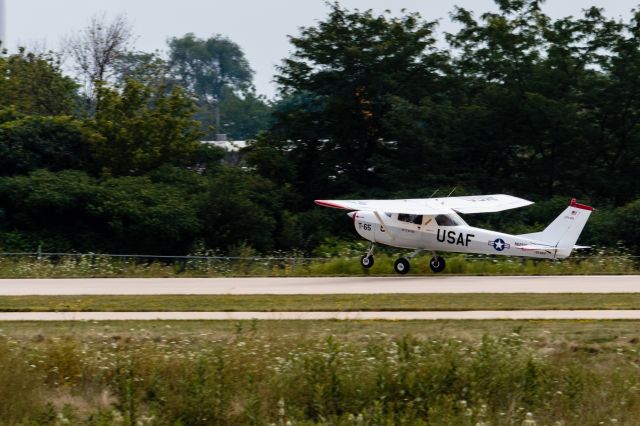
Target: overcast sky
x: 260, y: 27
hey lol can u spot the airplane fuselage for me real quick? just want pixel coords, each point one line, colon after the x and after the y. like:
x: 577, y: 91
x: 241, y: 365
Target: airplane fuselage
x: 445, y: 233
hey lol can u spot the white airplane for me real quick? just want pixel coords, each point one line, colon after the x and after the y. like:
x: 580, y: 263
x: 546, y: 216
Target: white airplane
x: 433, y: 224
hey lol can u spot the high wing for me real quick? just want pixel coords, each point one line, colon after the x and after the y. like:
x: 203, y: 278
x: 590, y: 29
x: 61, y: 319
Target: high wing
x: 483, y: 203
x: 432, y: 206
x: 425, y: 206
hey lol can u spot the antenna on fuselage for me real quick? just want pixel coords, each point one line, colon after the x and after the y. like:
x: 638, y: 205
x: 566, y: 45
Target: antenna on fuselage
x: 452, y: 191
x: 434, y: 193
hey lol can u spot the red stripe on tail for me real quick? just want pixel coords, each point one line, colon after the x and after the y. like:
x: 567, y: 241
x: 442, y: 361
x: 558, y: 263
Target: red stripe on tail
x: 577, y: 205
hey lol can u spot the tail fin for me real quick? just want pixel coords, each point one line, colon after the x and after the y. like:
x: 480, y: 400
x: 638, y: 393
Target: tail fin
x: 565, y: 230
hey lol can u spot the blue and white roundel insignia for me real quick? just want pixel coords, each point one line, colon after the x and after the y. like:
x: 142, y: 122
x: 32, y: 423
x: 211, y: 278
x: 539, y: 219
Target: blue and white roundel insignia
x: 499, y: 244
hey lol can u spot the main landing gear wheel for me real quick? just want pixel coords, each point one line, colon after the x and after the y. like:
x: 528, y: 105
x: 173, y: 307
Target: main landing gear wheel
x: 366, y: 261
x: 402, y: 266
x: 437, y: 264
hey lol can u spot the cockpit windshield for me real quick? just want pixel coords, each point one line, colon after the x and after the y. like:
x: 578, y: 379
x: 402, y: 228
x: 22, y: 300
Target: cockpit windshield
x: 445, y: 220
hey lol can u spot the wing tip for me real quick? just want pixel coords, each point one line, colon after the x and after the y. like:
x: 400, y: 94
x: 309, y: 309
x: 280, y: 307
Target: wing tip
x: 330, y: 204
x: 519, y: 199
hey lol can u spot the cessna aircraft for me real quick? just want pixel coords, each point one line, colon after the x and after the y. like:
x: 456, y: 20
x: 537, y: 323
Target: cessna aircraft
x: 433, y: 224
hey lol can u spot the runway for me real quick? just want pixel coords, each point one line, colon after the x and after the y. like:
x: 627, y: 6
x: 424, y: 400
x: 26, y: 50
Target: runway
x: 351, y: 316
x: 322, y: 285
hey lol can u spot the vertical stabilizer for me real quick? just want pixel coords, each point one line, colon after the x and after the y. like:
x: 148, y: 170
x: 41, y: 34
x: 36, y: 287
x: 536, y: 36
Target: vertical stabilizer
x: 564, y: 231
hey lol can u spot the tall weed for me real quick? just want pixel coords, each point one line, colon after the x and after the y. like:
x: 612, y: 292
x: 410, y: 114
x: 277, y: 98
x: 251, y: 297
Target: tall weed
x: 259, y: 378
x: 214, y: 265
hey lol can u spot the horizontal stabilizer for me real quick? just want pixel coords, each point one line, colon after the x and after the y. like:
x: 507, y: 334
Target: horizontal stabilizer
x: 534, y: 247
x: 538, y: 236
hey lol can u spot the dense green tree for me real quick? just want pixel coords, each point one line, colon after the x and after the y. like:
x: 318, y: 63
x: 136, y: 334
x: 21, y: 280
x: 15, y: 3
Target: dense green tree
x: 143, y: 128
x: 49, y: 208
x: 239, y: 209
x: 548, y: 105
x: 613, y: 154
x: 147, y: 68
x: 242, y: 116
x: 211, y: 69
x: 267, y: 158
x: 28, y: 143
x: 519, y: 103
x: 69, y: 210
x: 32, y: 83
x: 141, y: 216
x: 338, y: 87
x: 618, y: 227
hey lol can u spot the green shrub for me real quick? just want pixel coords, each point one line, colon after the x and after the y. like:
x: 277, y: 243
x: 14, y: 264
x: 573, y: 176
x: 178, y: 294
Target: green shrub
x: 253, y: 377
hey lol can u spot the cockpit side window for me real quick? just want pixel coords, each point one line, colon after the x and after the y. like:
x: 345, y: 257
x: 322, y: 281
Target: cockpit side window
x: 410, y: 218
x: 444, y: 220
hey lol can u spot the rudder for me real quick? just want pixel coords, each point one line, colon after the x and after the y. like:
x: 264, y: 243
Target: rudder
x: 564, y: 231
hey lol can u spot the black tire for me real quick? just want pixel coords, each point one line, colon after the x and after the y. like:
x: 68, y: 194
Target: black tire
x: 437, y: 264
x: 402, y: 266
x: 366, y: 261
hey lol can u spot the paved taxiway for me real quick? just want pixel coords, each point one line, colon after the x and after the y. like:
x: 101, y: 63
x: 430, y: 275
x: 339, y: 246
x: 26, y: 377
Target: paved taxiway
x: 390, y: 316
x: 323, y: 285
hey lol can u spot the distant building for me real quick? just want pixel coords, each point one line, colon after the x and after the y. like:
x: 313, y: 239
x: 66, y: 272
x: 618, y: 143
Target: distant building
x: 232, y: 149
x: 230, y: 146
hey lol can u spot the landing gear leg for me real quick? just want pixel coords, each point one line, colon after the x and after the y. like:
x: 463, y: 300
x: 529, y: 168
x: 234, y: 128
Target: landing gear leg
x: 437, y: 263
x: 415, y: 253
x: 367, y: 260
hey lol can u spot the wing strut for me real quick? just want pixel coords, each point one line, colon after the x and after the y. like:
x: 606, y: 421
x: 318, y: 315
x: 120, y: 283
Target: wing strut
x: 393, y: 237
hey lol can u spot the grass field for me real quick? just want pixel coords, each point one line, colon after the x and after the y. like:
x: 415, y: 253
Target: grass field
x: 101, y: 266
x: 376, y: 302
x: 317, y: 372
x: 320, y: 372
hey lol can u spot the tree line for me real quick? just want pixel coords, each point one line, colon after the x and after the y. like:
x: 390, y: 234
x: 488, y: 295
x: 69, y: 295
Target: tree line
x: 370, y: 105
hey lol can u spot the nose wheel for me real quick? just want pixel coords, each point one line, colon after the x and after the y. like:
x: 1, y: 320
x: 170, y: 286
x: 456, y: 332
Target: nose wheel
x: 367, y: 260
